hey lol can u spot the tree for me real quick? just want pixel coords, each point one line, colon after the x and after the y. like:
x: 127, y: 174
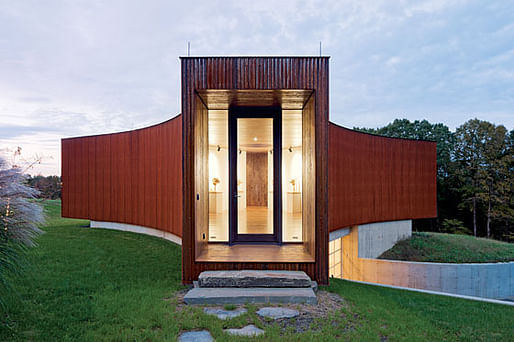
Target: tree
x: 482, y: 160
x: 469, y: 156
x: 19, y: 220
x: 49, y: 187
x: 496, y: 176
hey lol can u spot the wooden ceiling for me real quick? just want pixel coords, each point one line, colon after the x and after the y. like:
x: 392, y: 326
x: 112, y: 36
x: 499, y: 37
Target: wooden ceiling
x: 255, y: 128
x: 224, y: 98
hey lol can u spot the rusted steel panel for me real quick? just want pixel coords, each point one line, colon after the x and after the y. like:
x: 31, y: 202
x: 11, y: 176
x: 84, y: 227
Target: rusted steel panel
x: 374, y: 179
x: 131, y: 177
x: 252, y: 73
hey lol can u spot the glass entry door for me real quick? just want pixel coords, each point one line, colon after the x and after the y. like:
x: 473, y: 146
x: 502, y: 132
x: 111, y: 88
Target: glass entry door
x: 255, y: 174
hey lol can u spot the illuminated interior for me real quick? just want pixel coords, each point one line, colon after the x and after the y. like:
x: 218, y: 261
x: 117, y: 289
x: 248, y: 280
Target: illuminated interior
x: 255, y: 176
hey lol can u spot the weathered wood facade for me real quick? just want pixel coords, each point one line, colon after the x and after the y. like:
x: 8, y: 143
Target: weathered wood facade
x: 251, y: 81
x: 378, y: 179
x: 150, y: 177
x: 131, y: 177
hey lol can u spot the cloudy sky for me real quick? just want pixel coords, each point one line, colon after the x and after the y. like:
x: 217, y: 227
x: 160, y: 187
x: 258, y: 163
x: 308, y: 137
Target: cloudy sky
x: 71, y: 68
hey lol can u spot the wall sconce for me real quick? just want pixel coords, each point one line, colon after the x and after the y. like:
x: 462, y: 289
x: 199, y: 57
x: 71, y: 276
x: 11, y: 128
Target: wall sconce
x: 219, y: 148
x: 270, y: 151
x: 290, y: 149
x: 240, y: 151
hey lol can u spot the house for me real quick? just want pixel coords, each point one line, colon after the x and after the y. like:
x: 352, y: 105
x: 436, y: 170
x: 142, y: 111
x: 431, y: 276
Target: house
x: 251, y: 175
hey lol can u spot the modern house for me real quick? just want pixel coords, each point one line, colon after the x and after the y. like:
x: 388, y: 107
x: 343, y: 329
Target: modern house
x: 252, y: 175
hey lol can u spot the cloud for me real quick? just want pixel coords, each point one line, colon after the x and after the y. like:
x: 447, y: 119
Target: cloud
x: 81, y: 68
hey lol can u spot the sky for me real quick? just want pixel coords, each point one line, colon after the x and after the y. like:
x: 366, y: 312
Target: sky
x: 73, y: 68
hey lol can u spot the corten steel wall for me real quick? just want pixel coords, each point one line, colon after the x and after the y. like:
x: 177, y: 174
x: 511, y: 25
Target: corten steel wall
x: 375, y: 179
x: 255, y: 73
x: 131, y: 177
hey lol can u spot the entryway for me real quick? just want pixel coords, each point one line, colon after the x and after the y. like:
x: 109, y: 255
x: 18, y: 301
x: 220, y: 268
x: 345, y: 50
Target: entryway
x: 255, y: 206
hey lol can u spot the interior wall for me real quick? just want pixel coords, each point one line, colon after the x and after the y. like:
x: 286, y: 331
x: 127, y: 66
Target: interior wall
x: 241, y: 179
x: 218, y: 168
x: 292, y: 169
x: 309, y: 179
x: 257, y: 176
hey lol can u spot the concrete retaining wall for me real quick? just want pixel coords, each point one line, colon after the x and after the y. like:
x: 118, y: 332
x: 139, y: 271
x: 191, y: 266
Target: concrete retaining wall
x: 494, y: 280
x: 137, y: 229
x: 376, y: 238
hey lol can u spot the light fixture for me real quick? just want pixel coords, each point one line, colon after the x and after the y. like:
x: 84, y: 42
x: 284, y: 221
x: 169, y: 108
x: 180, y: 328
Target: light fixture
x: 290, y: 149
x: 255, y: 139
x: 270, y: 151
x: 240, y: 151
x: 219, y: 148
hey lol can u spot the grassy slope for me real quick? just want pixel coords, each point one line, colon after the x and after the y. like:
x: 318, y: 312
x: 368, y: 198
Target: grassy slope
x: 435, y: 247
x: 94, y: 285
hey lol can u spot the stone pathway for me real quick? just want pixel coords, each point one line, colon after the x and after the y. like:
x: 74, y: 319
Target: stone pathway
x: 224, y: 314
x: 249, y: 330
x: 297, y: 318
x: 196, y: 336
x: 277, y: 312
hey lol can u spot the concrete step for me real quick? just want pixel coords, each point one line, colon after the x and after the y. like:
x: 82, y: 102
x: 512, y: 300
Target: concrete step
x: 253, y: 278
x: 259, y: 295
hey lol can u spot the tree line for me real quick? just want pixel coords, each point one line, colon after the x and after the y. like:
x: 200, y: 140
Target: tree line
x: 475, y: 175
x: 49, y: 187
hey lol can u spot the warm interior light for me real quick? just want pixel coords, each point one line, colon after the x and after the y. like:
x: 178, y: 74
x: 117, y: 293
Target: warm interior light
x: 254, y: 138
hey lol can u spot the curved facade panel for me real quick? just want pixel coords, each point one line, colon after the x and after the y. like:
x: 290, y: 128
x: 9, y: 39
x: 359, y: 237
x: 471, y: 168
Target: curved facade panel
x: 132, y: 177
x: 376, y: 179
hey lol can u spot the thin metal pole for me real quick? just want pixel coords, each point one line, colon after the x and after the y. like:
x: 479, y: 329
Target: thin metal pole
x: 188, y: 48
x: 320, y: 48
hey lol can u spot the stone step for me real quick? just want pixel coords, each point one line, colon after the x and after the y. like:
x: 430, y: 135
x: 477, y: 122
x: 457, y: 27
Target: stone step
x: 258, y: 295
x: 253, y: 278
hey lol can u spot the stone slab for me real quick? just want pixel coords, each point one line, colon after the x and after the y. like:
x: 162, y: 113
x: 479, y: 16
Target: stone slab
x: 277, y: 312
x: 249, y: 330
x: 224, y: 314
x: 254, y: 278
x: 196, y: 336
x: 230, y: 295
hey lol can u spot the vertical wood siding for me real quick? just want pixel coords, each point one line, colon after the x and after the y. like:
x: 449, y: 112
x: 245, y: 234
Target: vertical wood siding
x: 131, y: 177
x: 255, y: 73
x: 374, y: 179
x: 146, y: 177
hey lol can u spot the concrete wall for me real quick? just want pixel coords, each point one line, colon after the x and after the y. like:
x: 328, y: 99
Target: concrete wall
x: 376, y: 238
x: 136, y: 229
x: 480, y: 280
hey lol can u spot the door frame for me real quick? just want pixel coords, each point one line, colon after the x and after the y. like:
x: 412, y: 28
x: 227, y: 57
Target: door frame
x: 275, y: 113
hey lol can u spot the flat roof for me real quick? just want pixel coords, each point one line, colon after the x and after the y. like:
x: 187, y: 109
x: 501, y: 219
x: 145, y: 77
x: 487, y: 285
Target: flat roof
x: 251, y: 56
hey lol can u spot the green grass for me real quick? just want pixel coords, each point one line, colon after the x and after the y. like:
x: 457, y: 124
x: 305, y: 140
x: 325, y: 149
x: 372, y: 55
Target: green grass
x: 99, y: 285
x: 450, y: 248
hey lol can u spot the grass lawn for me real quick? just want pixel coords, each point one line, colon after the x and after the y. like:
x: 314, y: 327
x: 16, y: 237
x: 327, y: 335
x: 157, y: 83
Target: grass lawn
x: 436, y: 247
x: 95, y: 285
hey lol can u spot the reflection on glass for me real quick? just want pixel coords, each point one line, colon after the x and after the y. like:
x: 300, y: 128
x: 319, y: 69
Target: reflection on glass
x: 255, y: 175
x: 292, y: 175
x: 218, y: 175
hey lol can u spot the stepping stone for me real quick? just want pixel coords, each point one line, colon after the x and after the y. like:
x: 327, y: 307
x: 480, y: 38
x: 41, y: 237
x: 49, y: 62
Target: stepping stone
x: 196, y: 336
x: 231, y: 295
x: 254, y: 278
x: 249, y: 330
x: 276, y: 313
x: 224, y: 314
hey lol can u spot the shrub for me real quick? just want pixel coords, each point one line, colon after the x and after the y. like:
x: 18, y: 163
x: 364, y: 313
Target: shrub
x: 454, y: 226
x: 19, y: 220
